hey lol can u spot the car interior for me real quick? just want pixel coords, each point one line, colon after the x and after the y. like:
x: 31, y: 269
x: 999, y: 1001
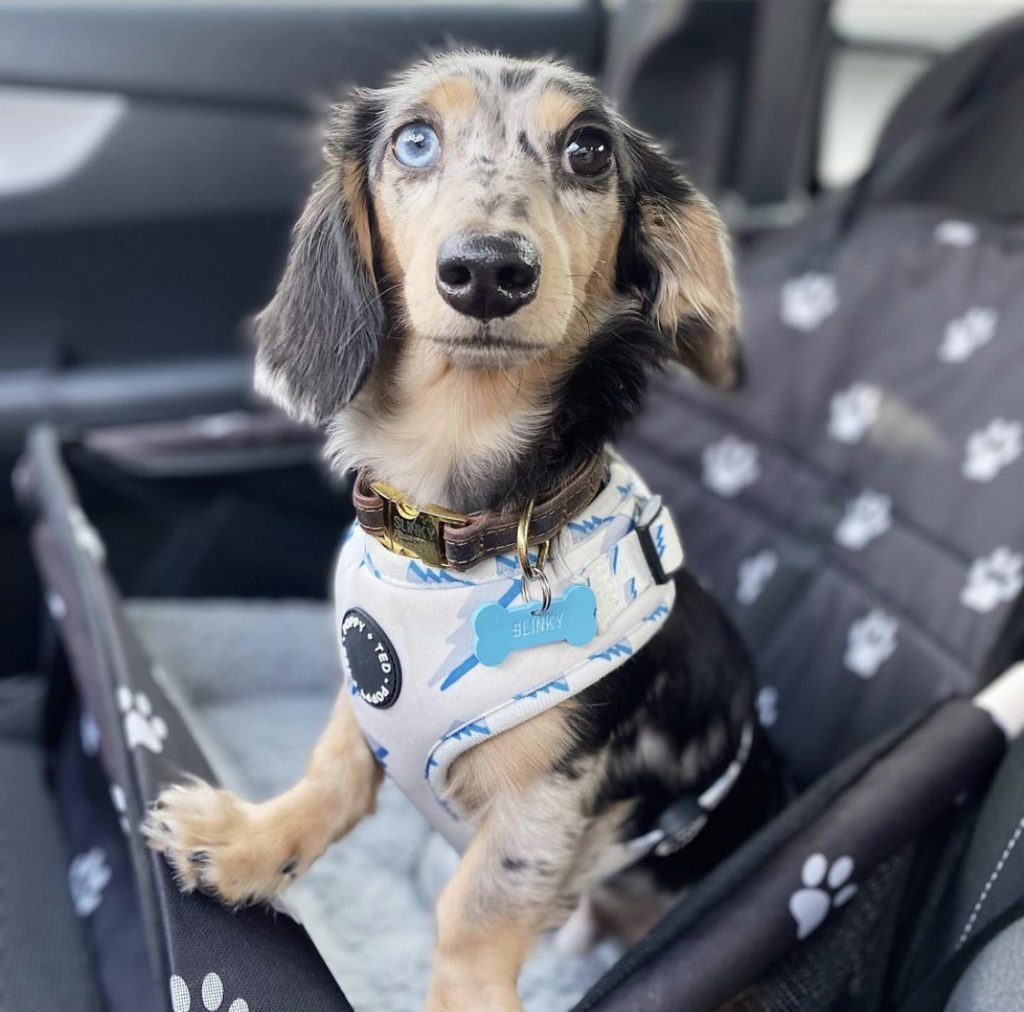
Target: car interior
x: 153, y: 159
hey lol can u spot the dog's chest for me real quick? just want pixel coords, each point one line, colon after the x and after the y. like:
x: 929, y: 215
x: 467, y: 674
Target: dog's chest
x: 429, y: 678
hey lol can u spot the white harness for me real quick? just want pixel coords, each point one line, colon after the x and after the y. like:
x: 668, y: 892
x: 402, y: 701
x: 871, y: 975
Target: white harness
x: 419, y: 692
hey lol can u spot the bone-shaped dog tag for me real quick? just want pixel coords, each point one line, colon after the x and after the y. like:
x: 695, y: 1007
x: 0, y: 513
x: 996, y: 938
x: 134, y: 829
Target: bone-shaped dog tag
x: 499, y: 630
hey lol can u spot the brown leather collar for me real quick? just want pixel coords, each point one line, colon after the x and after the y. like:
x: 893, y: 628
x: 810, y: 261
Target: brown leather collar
x: 442, y: 537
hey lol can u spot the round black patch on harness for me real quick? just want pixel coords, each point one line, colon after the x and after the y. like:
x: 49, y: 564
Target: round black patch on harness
x: 371, y: 659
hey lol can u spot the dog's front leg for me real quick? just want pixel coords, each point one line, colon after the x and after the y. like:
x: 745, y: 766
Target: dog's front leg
x: 508, y: 887
x: 244, y: 852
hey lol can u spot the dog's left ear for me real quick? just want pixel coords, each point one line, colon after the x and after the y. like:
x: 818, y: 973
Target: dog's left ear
x: 320, y: 336
x: 675, y: 252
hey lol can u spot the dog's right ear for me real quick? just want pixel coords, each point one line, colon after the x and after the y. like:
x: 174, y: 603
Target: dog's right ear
x: 319, y: 338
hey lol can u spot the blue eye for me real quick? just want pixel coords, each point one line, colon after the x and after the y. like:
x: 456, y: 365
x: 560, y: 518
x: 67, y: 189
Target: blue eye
x: 416, y: 145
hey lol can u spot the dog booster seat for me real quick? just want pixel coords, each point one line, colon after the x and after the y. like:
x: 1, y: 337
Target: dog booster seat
x: 856, y: 508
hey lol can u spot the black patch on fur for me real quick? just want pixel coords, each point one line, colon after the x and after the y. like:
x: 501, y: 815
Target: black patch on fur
x: 528, y: 149
x: 694, y: 674
x: 517, y: 78
x: 320, y: 335
x: 520, y: 209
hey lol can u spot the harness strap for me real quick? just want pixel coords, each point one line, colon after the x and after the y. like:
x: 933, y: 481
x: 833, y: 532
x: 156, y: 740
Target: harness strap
x: 683, y: 820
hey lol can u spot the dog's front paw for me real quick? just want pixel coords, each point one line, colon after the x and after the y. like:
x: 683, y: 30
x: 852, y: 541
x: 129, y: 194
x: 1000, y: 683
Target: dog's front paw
x: 218, y: 844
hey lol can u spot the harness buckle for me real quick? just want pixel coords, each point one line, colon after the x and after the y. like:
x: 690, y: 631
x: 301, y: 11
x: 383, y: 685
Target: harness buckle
x: 416, y: 531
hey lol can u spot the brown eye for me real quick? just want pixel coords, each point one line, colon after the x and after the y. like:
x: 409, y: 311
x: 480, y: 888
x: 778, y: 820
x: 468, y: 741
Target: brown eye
x: 588, y: 153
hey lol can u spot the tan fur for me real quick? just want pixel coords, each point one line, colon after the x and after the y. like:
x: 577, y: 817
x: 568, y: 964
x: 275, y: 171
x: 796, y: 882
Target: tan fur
x: 555, y: 110
x: 246, y: 852
x: 509, y: 762
x: 353, y: 187
x: 452, y: 98
x: 696, y: 281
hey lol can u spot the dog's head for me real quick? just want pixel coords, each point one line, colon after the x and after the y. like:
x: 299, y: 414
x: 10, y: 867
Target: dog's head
x: 495, y: 213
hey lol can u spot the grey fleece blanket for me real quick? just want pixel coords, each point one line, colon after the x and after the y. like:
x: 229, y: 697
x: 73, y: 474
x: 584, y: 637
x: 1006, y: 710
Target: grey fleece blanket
x: 256, y: 682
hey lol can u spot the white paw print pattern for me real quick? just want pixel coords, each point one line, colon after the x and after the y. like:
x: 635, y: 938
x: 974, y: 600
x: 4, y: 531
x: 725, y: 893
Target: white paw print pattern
x: 966, y: 334
x: 56, y: 606
x: 825, y: 887
x: 993, y: 580
x: 90, y: 733
x: 954, y: 232
x: 141, y: 725
x: 211, y: 994
x: 992, y: 448
x: 753, y: 575
x: 853, y: 411
x: 808, y: 300
x: 870, y: 642
x: 730, y: 465
x: 85, y: 535
x: 120, y: 802
x: 768, y: 706
x: 88, y: 876
x: 866, y: 517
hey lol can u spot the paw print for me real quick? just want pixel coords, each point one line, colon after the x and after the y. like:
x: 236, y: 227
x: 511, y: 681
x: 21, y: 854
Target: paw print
x: 853, y: 411
x: 85, y: 535
x: 87, y: 878
x: 89, y: 731
x: 992, y: 580
x: 865, y: 518
x: 807, y: 301
x: 211, y: 993
x: 826, y: 887
x: 141, y: 725
x: 768, y: 706
x: 953, y: 232
x: 753, y: 575
x: 966, y: 334
x: 120, y: 802
x: 991, y: 449
x: 870, y: 642
x: 730, y: 465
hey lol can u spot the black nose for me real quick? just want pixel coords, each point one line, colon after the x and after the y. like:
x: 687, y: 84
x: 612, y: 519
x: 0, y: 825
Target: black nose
x: 487, y: 276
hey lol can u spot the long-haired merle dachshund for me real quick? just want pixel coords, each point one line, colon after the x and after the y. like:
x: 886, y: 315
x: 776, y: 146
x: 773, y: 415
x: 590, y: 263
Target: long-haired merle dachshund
x: 482, y: 282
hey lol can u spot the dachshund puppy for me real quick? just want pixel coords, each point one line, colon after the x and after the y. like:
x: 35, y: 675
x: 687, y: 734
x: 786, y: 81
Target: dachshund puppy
x: 480, y: 286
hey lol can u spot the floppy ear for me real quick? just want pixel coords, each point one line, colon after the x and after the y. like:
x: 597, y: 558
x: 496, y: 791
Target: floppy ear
x: 675, y: 252
x: 319, y: 337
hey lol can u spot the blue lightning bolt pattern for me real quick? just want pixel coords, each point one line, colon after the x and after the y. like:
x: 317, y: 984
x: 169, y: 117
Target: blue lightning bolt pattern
x: 368, y: 563
x: 614, y: 561
x: 620, y: 649
x: 378, y: 750
x: 428, y: 574
x: 624, y: 490
x: 467, y: 731
x: 659, y: 539
x: 559, y: 684
x: 631, y: 589
x: 662, y: 609
x: 461, y: 638
x: 582, y: 527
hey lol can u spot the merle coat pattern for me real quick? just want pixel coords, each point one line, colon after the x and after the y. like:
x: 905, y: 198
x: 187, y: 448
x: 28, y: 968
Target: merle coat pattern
x: 481, y: 398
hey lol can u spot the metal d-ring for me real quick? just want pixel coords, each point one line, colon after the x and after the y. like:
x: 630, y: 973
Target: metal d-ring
x: 532, y: 572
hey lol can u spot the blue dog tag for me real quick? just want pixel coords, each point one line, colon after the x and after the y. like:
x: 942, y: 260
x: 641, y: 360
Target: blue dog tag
x: 499, y: 630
